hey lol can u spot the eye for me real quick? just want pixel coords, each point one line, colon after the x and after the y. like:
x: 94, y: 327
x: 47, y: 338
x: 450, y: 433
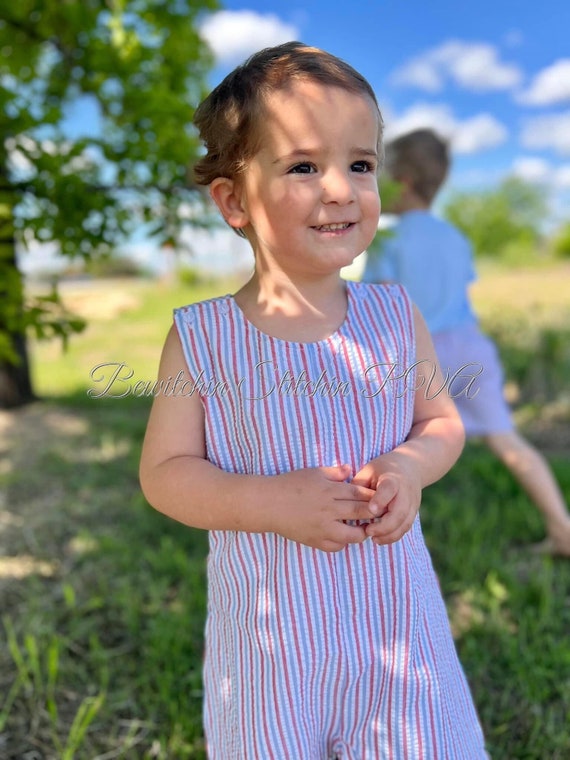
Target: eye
x: 362, y: 167
x: 304, y: 168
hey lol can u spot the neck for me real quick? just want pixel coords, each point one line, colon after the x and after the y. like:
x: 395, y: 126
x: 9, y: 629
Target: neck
x: 279, y: 287
x: 412, y: 206
x: 409, y: 200
x: 306, y: 310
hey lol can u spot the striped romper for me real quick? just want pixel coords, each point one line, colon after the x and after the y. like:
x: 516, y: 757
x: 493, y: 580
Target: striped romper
x: 313, y: 655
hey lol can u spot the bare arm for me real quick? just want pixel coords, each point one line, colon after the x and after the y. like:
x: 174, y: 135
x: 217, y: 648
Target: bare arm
x: 306, y: 505
x: 433, y: 445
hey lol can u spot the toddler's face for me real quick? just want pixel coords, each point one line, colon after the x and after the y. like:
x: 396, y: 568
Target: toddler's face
x: 310, y: 193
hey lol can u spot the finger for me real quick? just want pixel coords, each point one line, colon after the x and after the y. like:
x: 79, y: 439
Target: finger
x: 385, y: 498
x: 386, y: 490
x: 353, y: 510
x: 390, y: 528
x: 364, y: 476
x: 354, y: 493
x: 390, y: 539
x: 338, y: 472
x: 347, y: 534
x: 331, y: 546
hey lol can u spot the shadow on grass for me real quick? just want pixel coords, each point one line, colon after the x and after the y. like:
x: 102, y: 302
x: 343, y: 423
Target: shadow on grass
x: 104, y: 599
x: 102, y: 596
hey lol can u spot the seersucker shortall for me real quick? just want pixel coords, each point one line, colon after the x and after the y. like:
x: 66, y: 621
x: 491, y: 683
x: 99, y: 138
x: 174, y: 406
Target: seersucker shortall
x: 313, y: 655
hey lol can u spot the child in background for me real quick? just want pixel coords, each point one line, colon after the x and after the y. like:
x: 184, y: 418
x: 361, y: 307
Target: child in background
x: 291, y: 443
x: 433, y: 260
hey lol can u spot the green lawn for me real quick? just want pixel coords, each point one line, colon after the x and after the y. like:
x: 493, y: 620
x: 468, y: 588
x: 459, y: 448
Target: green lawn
x: 103, y: 599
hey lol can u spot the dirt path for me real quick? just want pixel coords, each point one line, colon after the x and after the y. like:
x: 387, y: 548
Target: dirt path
x: 30, y: 496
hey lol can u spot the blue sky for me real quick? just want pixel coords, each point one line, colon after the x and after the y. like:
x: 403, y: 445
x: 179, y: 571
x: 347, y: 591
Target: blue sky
x: 492, y: 76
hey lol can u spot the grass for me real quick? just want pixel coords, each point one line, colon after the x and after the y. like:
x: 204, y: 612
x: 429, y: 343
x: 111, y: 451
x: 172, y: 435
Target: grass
x: 103, y: 599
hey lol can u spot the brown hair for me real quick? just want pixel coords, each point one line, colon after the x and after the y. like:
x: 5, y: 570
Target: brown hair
x: 422, y: 158
x: 228, y: 119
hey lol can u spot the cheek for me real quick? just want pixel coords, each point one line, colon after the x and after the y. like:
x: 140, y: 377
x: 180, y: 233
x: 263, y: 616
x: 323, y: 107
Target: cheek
x: 286, y: 205
x: 372, y: 205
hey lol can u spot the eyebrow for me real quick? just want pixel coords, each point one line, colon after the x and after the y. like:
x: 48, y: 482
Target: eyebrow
x: 308, y: 153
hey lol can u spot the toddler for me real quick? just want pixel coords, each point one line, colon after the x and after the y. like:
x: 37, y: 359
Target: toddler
x: 300, y: 451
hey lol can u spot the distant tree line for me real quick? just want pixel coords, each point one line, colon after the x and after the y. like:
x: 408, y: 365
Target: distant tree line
x: 508, y: 222
x: 142, y: 66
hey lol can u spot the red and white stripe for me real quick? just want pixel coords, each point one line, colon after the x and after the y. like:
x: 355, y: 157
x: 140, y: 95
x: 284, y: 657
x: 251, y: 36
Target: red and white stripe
x: 311, y: 655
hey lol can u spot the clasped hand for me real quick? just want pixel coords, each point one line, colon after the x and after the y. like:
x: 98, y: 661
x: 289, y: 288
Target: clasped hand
x: 322, y: 507
x: 397, y: 496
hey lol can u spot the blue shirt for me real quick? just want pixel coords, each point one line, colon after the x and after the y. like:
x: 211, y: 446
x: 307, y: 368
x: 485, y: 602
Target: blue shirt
x: 433, y: 260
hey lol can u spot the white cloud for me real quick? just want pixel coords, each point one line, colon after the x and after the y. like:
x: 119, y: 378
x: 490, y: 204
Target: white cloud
x: 537, y: 170
x: 477, y: 66
x: 419, y: 73
x: 551, y: 131
x: 532, y: 169
x: 551, y: 85
x: 234, y: 35
x: 466, y: 136
x: 473, y: 66
x: 478, y: 133
x: 418, y: 116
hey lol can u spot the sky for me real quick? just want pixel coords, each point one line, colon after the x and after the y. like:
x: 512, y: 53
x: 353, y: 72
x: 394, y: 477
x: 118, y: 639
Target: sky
x: 492, y: 76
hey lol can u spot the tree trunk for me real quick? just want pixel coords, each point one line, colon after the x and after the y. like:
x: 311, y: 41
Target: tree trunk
x: 15, y: 381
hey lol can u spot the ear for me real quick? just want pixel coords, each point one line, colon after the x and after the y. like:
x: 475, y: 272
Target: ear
x: 226, y: 195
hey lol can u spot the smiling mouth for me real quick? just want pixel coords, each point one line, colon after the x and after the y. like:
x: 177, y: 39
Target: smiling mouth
x: 333, y: 227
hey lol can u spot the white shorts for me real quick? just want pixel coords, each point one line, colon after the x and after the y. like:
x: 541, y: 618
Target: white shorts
x: 470, y: 361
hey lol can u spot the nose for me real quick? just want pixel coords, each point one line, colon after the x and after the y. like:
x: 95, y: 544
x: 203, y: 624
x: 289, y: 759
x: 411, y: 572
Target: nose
x: 337, y: 187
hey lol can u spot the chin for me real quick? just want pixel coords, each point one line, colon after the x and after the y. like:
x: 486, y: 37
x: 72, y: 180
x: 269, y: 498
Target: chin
x: 347, y: 259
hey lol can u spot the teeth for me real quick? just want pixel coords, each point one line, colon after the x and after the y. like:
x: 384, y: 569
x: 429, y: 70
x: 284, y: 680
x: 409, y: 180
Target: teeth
x: 333, y: 227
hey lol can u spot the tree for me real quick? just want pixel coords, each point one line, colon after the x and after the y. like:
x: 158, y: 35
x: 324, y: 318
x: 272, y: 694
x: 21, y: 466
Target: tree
x: 561, y: 241
x: 495, y: 219
x: 143, y: 65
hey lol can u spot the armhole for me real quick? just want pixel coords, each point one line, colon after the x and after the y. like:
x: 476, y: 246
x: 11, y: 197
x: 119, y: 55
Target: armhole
x: 184, y: 319
x: 405, y: 308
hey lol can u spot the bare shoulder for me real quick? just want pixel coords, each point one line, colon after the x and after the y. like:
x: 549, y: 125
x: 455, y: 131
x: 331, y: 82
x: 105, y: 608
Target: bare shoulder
x: 172, y: 357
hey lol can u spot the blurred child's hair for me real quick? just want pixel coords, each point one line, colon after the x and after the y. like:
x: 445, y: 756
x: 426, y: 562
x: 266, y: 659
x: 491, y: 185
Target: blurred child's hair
x: 229, y: 119
x: 421, y: 158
